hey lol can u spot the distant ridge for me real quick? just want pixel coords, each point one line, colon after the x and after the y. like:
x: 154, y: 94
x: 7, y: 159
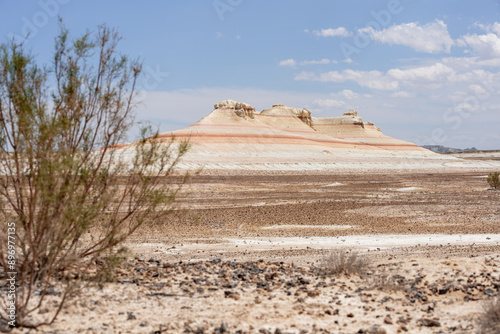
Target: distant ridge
x: 444, y: 149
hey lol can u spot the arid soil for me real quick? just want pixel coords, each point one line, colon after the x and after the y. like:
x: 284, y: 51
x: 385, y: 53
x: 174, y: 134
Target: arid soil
x: 370, y: 203
x: 245, y: 253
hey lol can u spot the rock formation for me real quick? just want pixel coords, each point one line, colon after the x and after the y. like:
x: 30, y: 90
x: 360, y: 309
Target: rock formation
x: 235, y: 136
x: 240, y: 108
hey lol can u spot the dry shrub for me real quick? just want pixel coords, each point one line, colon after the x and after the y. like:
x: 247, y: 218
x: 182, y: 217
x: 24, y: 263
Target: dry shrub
x: 489, y: 322
x: 68, y: 198
x: 344, y: 263
x: 387, y: 282
x: 494, y: 180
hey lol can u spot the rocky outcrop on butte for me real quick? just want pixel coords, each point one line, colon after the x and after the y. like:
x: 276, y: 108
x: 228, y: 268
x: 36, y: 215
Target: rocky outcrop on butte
x: 235, y: 136
x: 281, y: 110
x: 241, y: 109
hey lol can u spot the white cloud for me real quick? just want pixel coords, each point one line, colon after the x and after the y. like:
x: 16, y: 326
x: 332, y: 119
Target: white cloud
x: 478, y: 90
x: 288, y: 62
x: 323, y: 61
x: 348, y: 94
x: 470, y: 62
x: 485, y: 46
x: 330, y: 103
x: 371, y: 79
x: 306, y: 76
x: 431, y: 38
x: 341, y: 31
x: 437, y: 73
x: 403, y: 94
x: 424, y: 77
x: 495, y: 27
x: 293, y: 63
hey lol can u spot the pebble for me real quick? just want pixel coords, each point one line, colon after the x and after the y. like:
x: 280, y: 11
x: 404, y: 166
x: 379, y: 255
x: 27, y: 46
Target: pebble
x: 430, y: 322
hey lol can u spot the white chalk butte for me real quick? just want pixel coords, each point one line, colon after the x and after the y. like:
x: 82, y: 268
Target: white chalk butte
x: 235, y: 136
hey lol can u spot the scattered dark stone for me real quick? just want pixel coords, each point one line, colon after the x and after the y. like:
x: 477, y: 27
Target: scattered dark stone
x: 216, y: 261
x: 262, y: 285
x: 160, y: 294
x: 228, y: 285
x: 444, y: 290
x: 429, y: 322
x: 376, y: 330
x: 489, y: 292
x: 313, y: 293
x: 232, y: 294
x: 142, y: 324
x: 131, y: 316
x: 303, y: 281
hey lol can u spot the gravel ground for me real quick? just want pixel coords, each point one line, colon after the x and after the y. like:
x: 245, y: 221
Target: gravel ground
x: 198, y: 272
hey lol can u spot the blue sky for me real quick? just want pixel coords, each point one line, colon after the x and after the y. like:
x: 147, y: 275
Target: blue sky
x: 424, y: 71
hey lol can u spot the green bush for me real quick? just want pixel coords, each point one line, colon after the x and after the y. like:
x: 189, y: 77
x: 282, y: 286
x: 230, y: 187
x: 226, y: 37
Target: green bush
x: 494, y: 180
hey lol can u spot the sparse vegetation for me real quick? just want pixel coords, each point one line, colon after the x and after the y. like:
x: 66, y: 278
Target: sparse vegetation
x: 489, y: 322
x: 69, y: 198
x: 386, y: 281
x: 344, y: 263
x: 494, y: 180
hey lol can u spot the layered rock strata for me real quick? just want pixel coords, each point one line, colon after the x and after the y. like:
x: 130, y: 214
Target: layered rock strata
x: 235, y: 136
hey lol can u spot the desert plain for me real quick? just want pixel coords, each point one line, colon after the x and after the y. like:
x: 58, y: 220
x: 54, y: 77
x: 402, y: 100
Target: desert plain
x: 246, y: 252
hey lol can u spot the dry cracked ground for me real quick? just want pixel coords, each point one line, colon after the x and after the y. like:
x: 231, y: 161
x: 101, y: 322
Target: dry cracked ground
x: 249, y: 253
